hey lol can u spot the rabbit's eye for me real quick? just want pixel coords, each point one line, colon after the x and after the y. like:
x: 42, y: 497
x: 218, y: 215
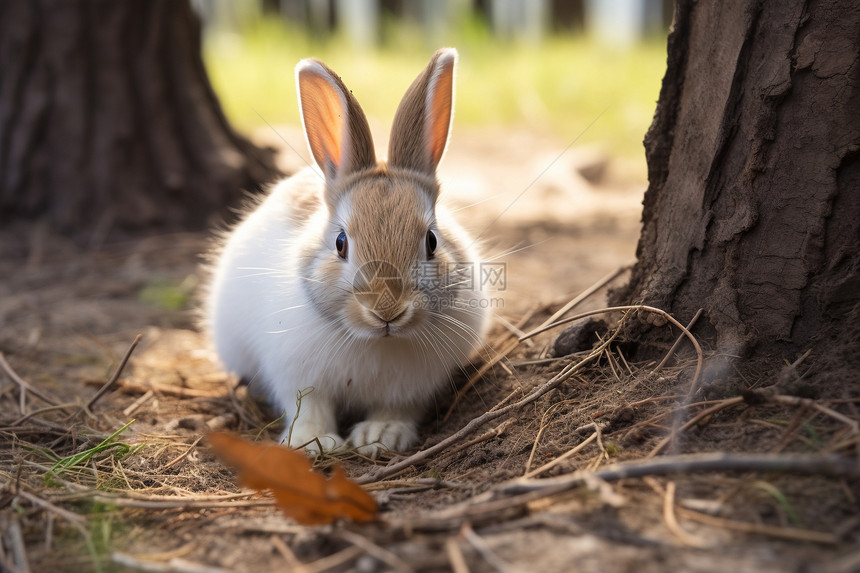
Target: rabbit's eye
x: 341, y: 244
x: 431, y: 244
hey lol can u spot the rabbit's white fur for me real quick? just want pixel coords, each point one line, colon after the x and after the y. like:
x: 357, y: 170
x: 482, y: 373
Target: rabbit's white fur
x: 281, y: 309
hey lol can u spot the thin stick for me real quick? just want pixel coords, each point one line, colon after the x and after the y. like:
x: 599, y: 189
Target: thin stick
x: 489, y: 435
x: 695, y: 420
x: 116, y: 373
x: 76, y: 520
x: 138, y: 403
x: 790, y: 431
x: 35, y: 413
x: 672, y: 522
x: 175, y: 565
x: 509, y: 346
x: 678, y: 341
x: 510, y: 327
x: 542, y: 361
x: 499, y: 357
x: 626, y: 365
x: 131, y: 387
x: 180, y: 503
x: 604, y: 455
x: 797, y: 401
x: 803, y: 357
x: 413, y: 486
x: 481, y: 547
x: 65, y: 514
x: 183, y: 455
x: 663, y: 313
x: 612, y: 366
x: 833, y: 466
x: 562, y: 457
x: 418, y: 457
x: 86, y: 493
x: 371, y: 548
x: 179, y: 552
x: 509, y: 496
x: 49, y: 531
x: 455, y: 556
x: 761, y: 529
x: 780, y: 399
x: 293, y: 562
x: 542, y: 428
x: 19, y: 552
x: 334, y: 560
x: 653, y: 419
x: 23, y: 384
x: 585, y: 294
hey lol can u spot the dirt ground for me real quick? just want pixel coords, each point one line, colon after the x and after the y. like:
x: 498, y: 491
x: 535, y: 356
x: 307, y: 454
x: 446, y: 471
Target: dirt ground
x: 156, y: 498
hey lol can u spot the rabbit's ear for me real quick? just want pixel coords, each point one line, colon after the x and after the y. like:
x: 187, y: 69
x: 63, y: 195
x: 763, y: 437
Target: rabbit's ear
x: 335, y: 126
x: 420, y: 130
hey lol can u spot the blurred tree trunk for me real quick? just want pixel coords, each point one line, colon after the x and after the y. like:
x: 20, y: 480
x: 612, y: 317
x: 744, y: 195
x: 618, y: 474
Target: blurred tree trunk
x: 108, y: 122
x: 753, y: 207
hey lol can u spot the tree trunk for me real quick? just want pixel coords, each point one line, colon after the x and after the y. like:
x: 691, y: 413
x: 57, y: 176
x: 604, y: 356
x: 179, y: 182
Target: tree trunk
x: 753, y: 208
x: 108, y: 122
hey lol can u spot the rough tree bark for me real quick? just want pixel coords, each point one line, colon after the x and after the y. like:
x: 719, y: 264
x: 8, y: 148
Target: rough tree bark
x: 753, y: 205
x: 108, y: 121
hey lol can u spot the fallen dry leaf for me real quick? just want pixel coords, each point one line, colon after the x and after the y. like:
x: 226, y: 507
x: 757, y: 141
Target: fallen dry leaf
x: 302, y: 494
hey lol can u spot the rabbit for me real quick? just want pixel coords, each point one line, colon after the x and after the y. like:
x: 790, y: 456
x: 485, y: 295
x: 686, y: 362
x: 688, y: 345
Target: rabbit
x: 347, y: 288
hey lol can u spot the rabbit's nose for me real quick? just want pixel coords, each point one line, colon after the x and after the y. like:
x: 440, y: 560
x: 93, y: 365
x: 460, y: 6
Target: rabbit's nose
x: 391, y: 314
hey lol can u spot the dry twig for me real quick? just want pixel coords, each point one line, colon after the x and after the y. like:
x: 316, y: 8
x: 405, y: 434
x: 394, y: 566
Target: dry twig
x: 806, y: 402
x: 175, y: 565
x: 421, y: 456
x: 23, y: 385
x: 183, y: 455
x: 585, y: 294
x: 72, y: 518
x: 699, y: 359
x: 482, y: 548
x: 132, y: 387
x: 669, y: 515
x: 521, y: 337
x: 132, y: 408
x: 792, y: 533
x: 508, y: 344
x: 543, y: 426
x: 109, y: 384
x: 371, y: 548
x: 722, y: 404
x: 677, y: 342
x: 765, y: 396
x: 514, y: 495
x: 335, y: 560
x: 15, y: 540
x: 564, y: 456
x: 455, y: 556
x: 289, y: 556
x: 500, y: 355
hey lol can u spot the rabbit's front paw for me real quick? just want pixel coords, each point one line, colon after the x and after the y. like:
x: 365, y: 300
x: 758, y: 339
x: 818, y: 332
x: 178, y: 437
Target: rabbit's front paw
x: 373, y: 437
x: 314, y: 443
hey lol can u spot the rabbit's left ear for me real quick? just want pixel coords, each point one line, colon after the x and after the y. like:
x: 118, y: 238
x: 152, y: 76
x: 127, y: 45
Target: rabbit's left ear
x: 419, y: 133
x: 335, y: 126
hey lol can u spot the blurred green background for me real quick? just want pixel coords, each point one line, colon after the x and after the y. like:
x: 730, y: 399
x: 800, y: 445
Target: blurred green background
x: 538, y: 70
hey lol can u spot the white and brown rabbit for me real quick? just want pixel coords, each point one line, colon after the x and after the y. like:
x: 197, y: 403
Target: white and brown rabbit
x: 351, y: 289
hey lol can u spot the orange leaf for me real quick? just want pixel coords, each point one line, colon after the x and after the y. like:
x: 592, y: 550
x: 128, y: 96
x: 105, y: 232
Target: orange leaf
x: 301, y: 493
